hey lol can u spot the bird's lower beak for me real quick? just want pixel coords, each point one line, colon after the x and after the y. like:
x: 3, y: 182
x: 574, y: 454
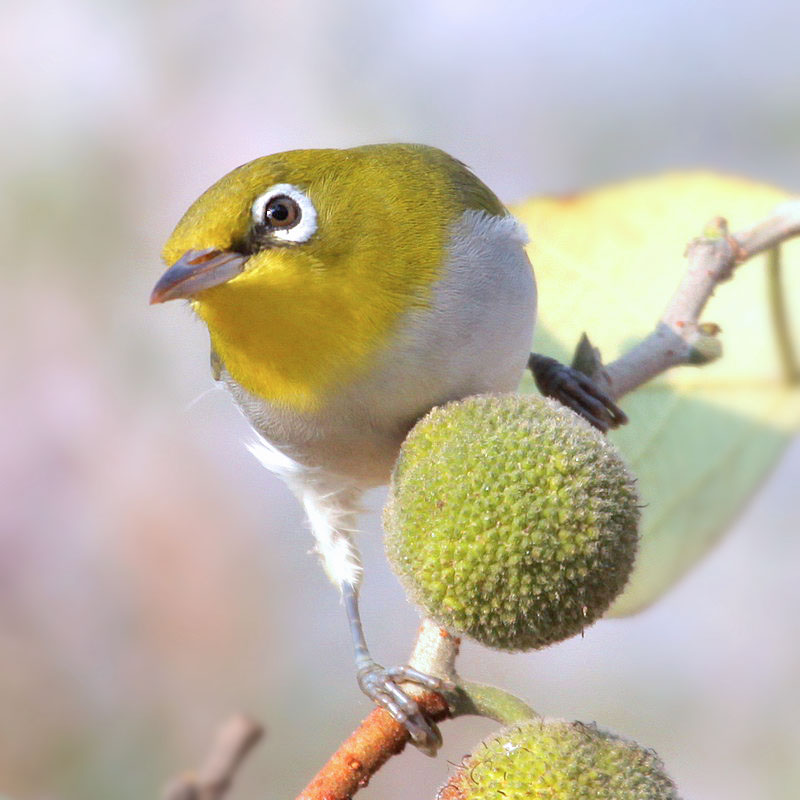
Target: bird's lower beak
x: 196, y: 270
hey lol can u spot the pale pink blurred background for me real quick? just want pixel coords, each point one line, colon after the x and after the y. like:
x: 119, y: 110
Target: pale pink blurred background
x: 152, y: 576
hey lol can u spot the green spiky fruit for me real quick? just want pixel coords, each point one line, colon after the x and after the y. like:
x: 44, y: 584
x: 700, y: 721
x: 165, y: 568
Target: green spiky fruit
x: 559, y: 761
x: 511, y: 520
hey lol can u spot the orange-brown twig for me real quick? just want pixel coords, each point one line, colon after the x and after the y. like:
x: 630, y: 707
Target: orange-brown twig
x: 374, y: 742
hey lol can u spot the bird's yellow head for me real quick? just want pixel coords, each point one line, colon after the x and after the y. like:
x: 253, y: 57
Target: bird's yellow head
x: 302, y: 263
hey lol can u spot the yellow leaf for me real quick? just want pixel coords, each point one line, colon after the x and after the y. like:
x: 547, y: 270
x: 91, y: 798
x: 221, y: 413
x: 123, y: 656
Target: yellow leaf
x: 700, y: 439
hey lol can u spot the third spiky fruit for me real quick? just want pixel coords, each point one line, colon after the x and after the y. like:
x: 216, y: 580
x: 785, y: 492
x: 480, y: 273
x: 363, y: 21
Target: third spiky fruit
x: 511, y: 520
x: 559, y: 761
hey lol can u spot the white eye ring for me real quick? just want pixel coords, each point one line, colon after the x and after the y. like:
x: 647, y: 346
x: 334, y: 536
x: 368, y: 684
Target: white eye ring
x: 304, y: 228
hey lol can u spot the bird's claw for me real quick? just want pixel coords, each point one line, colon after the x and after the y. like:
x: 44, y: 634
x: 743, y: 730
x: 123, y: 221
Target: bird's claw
x: 577, y: 391
x: 381, y: 686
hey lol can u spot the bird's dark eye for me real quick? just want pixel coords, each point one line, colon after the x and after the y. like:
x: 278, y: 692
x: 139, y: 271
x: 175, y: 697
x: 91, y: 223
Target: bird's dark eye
x: 282, y: 212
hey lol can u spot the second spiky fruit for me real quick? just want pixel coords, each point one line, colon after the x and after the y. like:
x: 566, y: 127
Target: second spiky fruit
x: 511, y: 520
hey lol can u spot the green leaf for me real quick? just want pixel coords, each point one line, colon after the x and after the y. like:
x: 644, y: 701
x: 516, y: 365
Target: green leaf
x: 700, y: 439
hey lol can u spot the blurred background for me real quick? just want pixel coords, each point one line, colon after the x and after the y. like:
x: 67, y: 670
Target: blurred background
x: 153, y: 578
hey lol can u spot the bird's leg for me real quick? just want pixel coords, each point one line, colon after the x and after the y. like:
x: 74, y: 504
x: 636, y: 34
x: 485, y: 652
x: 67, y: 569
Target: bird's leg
x: 577, y: 391
x: 331, y: 511
x: 381, y: 685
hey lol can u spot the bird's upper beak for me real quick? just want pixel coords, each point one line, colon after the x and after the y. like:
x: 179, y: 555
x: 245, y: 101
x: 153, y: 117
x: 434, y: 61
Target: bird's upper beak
x: 196, y: 270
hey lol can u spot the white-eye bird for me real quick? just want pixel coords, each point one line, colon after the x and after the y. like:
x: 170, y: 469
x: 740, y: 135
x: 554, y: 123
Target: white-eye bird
x: 346, y: 293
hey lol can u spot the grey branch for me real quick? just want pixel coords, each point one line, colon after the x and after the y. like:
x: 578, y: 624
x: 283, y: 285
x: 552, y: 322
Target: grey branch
x: 680, y: 337
x: 211, y: 781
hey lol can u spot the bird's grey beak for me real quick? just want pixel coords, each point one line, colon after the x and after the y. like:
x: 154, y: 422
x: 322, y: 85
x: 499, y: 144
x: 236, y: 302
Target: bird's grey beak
x: 196, y: 270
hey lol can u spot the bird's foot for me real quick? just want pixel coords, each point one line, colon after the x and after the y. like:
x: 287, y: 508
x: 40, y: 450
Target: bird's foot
x: 576, y: 391
x: 381, y: 686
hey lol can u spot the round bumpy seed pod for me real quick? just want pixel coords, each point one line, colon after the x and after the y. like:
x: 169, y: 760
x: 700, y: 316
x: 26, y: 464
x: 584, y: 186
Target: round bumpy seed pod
x: 559, y: 761
x: 511, y: 520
